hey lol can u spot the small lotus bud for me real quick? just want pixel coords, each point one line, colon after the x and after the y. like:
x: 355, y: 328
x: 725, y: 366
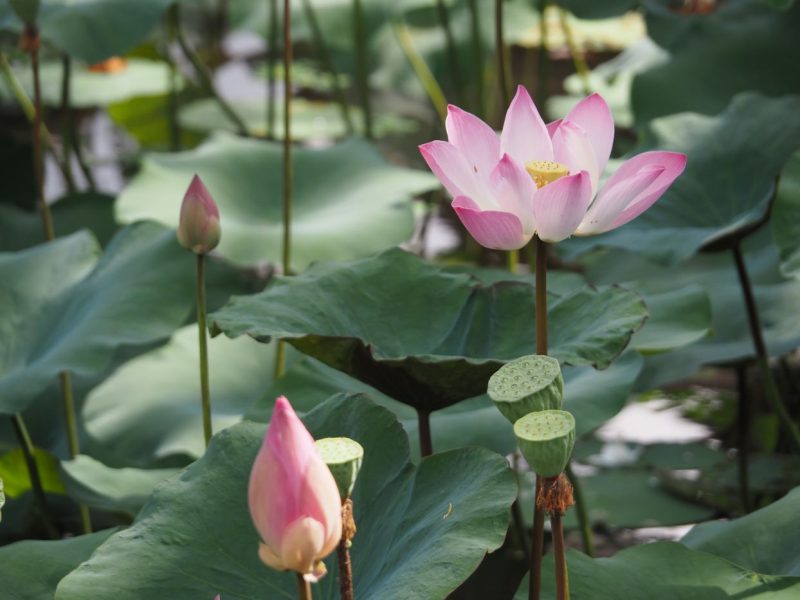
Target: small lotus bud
x: 526, y: 385
x: 293, y: 498
x: 343, y: 457
x: 546, y: 439
x: 198, y: 229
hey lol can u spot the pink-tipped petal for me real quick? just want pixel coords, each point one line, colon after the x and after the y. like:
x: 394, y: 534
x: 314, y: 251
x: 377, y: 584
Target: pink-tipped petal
x: 451, y: 168
x: 552, y: 127
x: 525, y: 135
x: 559, y: 207
x: 491, y: 228
x: 572, y: 147
x: 594, y: 117
x: 475, y: 139
x: 673, y: 163
x: 513, y: 190
x: 613, y: 199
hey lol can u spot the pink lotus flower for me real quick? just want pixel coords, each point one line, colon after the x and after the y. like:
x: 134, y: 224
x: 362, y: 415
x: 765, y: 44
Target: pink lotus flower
x: 198, y: 227
x: 543, y: 179
x: 293, y: 498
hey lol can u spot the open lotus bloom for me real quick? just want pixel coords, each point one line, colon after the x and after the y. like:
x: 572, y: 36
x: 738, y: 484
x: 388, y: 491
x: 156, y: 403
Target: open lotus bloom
x: 543, y: 179
x: 293, y: 498
x: 198, y: 227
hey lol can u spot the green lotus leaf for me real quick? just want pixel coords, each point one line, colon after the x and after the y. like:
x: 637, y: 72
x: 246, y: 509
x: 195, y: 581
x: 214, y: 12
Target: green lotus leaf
x: 421, y: 530
x: 348, y: 201
x: 65, y: 310
x: 422, y: 336
x: 786, y: 218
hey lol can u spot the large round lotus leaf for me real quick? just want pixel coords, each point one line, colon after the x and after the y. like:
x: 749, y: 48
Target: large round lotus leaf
x: 148, y: 411
x: 765, y: 541
x: 89, y: 89
x: 93, y: 30
x: 65, y: 310
x: 727, y: 38
x: 786, y: 218
x: 348, y: 201
x: 423, y: 336
x: 421, y: 530
x: 678, y: 317
x: 311, y: 119
x: 733, y: 160
x: 663, y: 571
x: 31, y: 570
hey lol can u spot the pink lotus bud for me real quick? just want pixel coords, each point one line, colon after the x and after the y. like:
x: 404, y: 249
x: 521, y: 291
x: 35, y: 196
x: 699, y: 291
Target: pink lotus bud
x: 198, y: 229
x: 294, y: 501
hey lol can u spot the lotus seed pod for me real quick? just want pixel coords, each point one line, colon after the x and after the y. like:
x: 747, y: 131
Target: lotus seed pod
x: 343, y: 457
x: 546, y: 439
x: 525, y: 385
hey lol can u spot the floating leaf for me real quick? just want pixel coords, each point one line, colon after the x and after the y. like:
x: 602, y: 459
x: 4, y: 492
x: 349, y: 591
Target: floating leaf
x: 348, y: 201
x: 431, y: 524
x: 366, y: 318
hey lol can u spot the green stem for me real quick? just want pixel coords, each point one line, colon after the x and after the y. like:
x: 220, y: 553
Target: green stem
x: 205, y: 75
x: 543, y: 70
x: 423, y: 73
x: 362, y: 69
x: 28, y: 452
x: 743, y: 427
x: 452, y: 52
x: 477, y: 58
x: 327, y: 63
x: 172, y: 103
x: 272, y: 56
x: 577, y: 56
x: 537, y: 545
x: 65, y: 380
x: 287, y: 137
x: 303, y: 588
x: 205, y: 393
x: 513, y: 260
x: 502, y: 63
x: 560, y: 556
x: 345, y: 569
x: 582, y: 513
x: 38, y: 163
x: 67, y: 119
x: 762, y: 357
x: 425, y: 439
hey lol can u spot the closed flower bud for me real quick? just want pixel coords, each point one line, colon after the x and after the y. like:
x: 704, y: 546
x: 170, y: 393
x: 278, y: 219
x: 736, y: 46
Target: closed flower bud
x: 198, y: 229
x: 293, y: 498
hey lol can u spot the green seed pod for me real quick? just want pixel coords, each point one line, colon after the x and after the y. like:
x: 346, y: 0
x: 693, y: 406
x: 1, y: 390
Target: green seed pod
x: 546, y: 439
x: 525, y: 385
x: 343, y: 457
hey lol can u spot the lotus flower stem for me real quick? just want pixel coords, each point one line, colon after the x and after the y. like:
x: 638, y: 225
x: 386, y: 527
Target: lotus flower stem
x: 762, y: 356
x: 452, y: 53
x: 172, y: 101
x: 205, y: 394
x: 562, y: 579
x: 425, y: 440
x: 362, y: 69
x: 502, y: 62
x: 205, y: 76
x: 343, y: 551
x: 582, y: 514
x: 743, y: 426
x: 324, y: 54
x: 65, y: 378
x: 581, y: 68
x: 513, y: 260
x: 272, y: 54
x: 477, y: 58
x: 67, y: 120
x: 303, y: 588
x: 543, y: 70
x: 26, y: 444
x: 423, y: 73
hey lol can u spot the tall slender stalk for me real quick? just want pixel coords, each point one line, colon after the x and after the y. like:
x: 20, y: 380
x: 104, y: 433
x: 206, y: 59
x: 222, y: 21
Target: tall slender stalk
x: 452, y: 51
x: 513, y: 260
x: 28, y: 452
x: 67, y: 120
x: 303, y: 588
x: 423, y: 73
x: 580, y: 508
x: 362, y: 66
x: 327, y: 63
x: 543, y: 69
x: 205, y: 393
x: 762, y: 356
x: 425, y: 439
x: 743, y: 434
x: 205, y: 75
x: 343, y: 551
x: 65, y: 380
x: 581, y: 68
x: 502, y: 63
x: 172, y: 101
x: 562, y: 580
x: 477, y: 59
x: 272, y: 56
